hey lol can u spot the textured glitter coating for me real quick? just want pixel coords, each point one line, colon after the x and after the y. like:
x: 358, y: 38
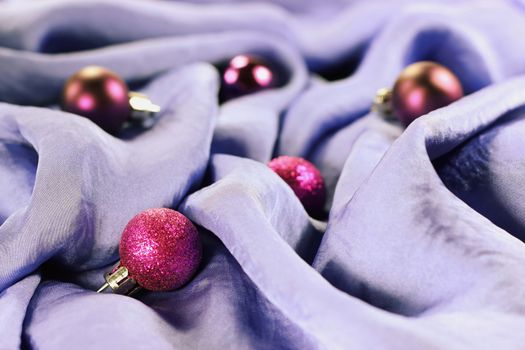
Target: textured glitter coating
x: 161, y: 248
x: 304, y: 179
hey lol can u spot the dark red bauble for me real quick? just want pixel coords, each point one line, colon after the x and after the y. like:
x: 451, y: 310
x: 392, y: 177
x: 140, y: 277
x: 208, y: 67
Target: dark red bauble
x: 98, y: 94
x: 305, y: 180
x: 246, y: 74
x: 423, y: 87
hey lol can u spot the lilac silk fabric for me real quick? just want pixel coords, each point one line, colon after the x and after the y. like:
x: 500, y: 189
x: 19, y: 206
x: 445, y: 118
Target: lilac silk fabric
x: 423, y: 245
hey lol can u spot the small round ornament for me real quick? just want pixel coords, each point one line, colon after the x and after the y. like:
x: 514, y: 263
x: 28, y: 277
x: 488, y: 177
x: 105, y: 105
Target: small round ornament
x: 305, y: 180
x: 420, y: 88
x: 103, y: 97
x: 160, y: 250
x: 246, y: 74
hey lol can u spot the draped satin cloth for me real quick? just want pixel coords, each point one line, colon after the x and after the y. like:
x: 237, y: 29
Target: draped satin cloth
x: 423, y: 245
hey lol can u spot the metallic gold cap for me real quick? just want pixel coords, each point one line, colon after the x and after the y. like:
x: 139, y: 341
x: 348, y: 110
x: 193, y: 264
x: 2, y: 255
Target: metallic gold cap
x: 120, y: 282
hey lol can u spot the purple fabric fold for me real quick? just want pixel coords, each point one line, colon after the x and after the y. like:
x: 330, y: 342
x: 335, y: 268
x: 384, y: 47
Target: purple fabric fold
x: 422, y: 247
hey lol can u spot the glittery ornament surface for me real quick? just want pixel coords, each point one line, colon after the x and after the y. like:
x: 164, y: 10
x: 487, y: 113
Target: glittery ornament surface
x: 161, y: 249
x: 304, y: 179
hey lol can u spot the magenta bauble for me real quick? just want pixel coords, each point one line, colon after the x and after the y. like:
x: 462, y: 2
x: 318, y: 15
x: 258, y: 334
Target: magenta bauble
x: 304, y: 179
x: 161, y: 249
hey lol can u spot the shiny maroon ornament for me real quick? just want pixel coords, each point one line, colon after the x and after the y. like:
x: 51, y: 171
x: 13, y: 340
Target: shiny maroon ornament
x: 160, y: 250
x: 99, y: 95
x: 304, y: 179
x: 423, y: 87
x: 246, y: 74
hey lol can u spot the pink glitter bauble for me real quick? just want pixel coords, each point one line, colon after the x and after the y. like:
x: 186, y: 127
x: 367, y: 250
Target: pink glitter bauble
x: 304, y: 179
x: 161, y: 249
